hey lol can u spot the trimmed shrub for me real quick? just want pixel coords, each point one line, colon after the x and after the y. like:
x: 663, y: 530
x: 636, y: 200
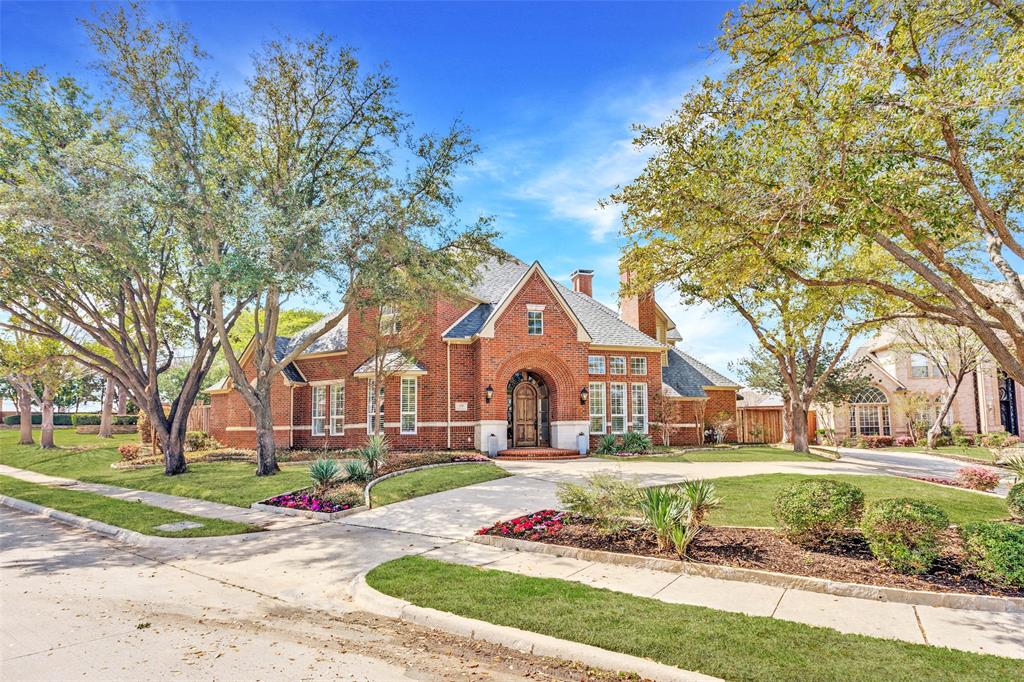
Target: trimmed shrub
x: 608, y: 500
x: 1015, y: 501
x: 608, y: 445
x: 815, y: 511
x: 995, y: 551
x: 634, y: 441
x: 199, y: 440
x: 126, y: 419
x: 59, y: 419
x: 998, y: 439
x: 86, y: 420
x: 144, y: 428
x: 903, y: 534
x: 129, y: 451
x: 904, y: 441
x: 878, y: 441
x: 977, y: 478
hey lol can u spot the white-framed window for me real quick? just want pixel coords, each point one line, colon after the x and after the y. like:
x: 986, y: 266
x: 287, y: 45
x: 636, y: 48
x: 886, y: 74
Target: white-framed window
x: 371, y: 407
x: 869, y: 413
x: 639, y: 407
x: 617, y: 399
x: 638, y: 366
x: 389, y: 319
x: 338, y: 409
x: 597, y: 408
x: 595, y: 364
x: 319, y: 410
x: 408, y: 406
x: 616, y: 365
x: 534, y: 322
x: 919, y: 366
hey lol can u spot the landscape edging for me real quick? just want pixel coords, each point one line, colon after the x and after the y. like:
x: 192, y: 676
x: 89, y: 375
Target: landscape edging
x: 129, y: 537
x: 949, y: 600
x: 393, y: 474
x: 319, y: 516
x: 525, y: 641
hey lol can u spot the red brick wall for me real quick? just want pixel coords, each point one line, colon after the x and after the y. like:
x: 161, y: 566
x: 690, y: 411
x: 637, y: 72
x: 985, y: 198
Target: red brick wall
x: 639, y: 311
x: 652, y: 379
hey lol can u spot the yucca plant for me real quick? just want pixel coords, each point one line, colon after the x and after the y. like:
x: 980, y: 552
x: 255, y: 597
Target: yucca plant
x: 608, y: 445
x: 1016, y: 465
x: 323, y: 472
x: 375, y: 452
x: 700, y: 498
x: 682, y: 536
x: 662, y: 509
x: 357, y: 471
x: 634, y: 441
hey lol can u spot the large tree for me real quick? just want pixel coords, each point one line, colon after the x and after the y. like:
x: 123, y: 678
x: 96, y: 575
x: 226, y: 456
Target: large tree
x: 890, y: 133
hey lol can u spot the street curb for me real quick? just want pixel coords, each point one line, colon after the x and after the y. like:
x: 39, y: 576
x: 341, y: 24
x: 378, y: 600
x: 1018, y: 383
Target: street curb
x: 393, y: 474
x: 949, y: 600
x: 533, y: 643
x: 128, y: 537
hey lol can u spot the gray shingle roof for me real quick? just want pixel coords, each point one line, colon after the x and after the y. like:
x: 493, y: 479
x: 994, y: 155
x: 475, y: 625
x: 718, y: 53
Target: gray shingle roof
x: 685, y: 376
x: 471, y: 322
x: 331, y: 342
x: 282, y: 345
x: 394, y: 361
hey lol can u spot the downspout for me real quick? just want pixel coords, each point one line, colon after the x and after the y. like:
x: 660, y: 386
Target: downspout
x: 291, y: 418
x: 448, y: 391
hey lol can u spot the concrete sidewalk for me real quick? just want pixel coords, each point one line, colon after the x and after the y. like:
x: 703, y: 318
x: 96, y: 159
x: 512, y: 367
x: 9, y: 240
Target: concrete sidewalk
x: 1001, y: 634
x: 184, y: 505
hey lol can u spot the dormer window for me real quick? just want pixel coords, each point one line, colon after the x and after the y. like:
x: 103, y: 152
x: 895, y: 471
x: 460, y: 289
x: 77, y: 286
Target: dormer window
x: 534, y: 322
x: 389, y: 322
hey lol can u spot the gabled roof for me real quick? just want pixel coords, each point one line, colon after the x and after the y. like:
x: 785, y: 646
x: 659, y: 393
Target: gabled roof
x: 282, y: 346
x: 394, y: 361
x: 686, y: 377
x: 333, y: 341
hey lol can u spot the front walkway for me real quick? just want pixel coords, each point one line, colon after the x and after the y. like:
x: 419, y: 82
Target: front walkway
x: 184, y: 505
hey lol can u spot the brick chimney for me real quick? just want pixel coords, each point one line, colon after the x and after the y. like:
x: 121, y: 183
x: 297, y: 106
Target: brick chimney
x: 639, y: 311
x: 583, y: 282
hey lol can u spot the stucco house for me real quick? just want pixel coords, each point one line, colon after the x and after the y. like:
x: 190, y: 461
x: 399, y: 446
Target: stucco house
x: 518, y: 357
x: 987, y: 401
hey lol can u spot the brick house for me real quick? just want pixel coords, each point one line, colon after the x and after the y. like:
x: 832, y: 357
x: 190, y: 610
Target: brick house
x: 988, y: 399
x: 520, y: 357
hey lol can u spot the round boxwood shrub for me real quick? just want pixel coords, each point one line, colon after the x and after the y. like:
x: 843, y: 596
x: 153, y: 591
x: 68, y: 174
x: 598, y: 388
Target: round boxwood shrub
x: 1015, y: 501
x: 995, y: 551
x: 815, y: 511
x: 903, y: 534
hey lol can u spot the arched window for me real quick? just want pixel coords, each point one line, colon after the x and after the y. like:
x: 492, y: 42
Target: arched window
x: 869, y: 413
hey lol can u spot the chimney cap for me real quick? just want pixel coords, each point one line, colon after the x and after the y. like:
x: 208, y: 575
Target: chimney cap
x: 581, y: 271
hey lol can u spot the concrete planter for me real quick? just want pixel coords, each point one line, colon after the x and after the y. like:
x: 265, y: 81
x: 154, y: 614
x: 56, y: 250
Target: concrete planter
x: 887, y: 594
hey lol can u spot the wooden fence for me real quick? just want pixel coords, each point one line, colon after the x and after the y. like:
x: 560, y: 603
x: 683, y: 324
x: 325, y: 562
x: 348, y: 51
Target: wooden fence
x: 199, y: 418
x: 764, y: 425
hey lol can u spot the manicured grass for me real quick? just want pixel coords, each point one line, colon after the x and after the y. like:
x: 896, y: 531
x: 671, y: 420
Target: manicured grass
x: 428, y: 481
x: 747, y: 500
x: 67, y: 438
x: 226, y: 482
x: 728, y: 645
x: 969, y: 451
x: 135, y: 516
x: 754, y: 454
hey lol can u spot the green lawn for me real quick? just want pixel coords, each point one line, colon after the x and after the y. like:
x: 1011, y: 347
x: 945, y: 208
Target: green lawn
x: 428, y: 481
x: 225, y: 482
x: 752, y: 454
x: 747, y: 500
x: 969, y: 451
x: 67, y: 438
x: 728, y: 645
x: 121, y: 513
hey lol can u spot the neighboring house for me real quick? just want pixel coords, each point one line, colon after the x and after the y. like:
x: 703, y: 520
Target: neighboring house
x: 519, y: 357
x: 987, y: 401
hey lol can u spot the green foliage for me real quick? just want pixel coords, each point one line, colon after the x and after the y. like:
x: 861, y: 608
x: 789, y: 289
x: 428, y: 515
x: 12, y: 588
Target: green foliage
x: 126, y: 419
x: 59, y: 419
x: 1016, y: 465
x: 608, y: 445
x: 86, y: 420
x: 357, y: 471
x: 1015, y: 501
x: 199, y: 440
x: 375, y: 452
x: 323, y: 473
x: 634, y: 441
x: 996, y: 551
x: 663, y: 509
x: 815, y: 511
x: 608, y: 500
x: 904, y: 533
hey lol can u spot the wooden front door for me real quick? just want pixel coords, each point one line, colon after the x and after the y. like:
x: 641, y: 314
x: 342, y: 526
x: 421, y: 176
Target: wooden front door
x: 524, y: 416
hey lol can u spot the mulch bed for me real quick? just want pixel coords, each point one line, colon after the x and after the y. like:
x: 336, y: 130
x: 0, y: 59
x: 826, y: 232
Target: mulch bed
x: 847, y: 561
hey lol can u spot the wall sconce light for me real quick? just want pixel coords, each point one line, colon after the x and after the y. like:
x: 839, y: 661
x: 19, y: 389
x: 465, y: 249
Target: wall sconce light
x: 488, y: 393
x: 584, y: 395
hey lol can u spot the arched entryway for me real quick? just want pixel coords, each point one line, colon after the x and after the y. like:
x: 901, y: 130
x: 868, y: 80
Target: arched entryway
x: 529, y: 410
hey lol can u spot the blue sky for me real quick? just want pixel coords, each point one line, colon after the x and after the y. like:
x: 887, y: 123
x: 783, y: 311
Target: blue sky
x: 550, y: 90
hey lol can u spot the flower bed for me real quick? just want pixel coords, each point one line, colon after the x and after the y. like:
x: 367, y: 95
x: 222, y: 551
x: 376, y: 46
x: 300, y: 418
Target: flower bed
x: 848, y: 560
x: 306, y: 502
x: 951, y: 482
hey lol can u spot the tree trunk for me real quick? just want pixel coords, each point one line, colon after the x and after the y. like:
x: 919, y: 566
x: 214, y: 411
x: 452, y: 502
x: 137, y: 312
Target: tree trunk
x: 787, y: 420
x: 798, y: 421
x: 106, y: 418
x: 266, y: 454
x: 46, y: 434
x: 122, y: 401
x: 25, y: 414
x: 172, y: 442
